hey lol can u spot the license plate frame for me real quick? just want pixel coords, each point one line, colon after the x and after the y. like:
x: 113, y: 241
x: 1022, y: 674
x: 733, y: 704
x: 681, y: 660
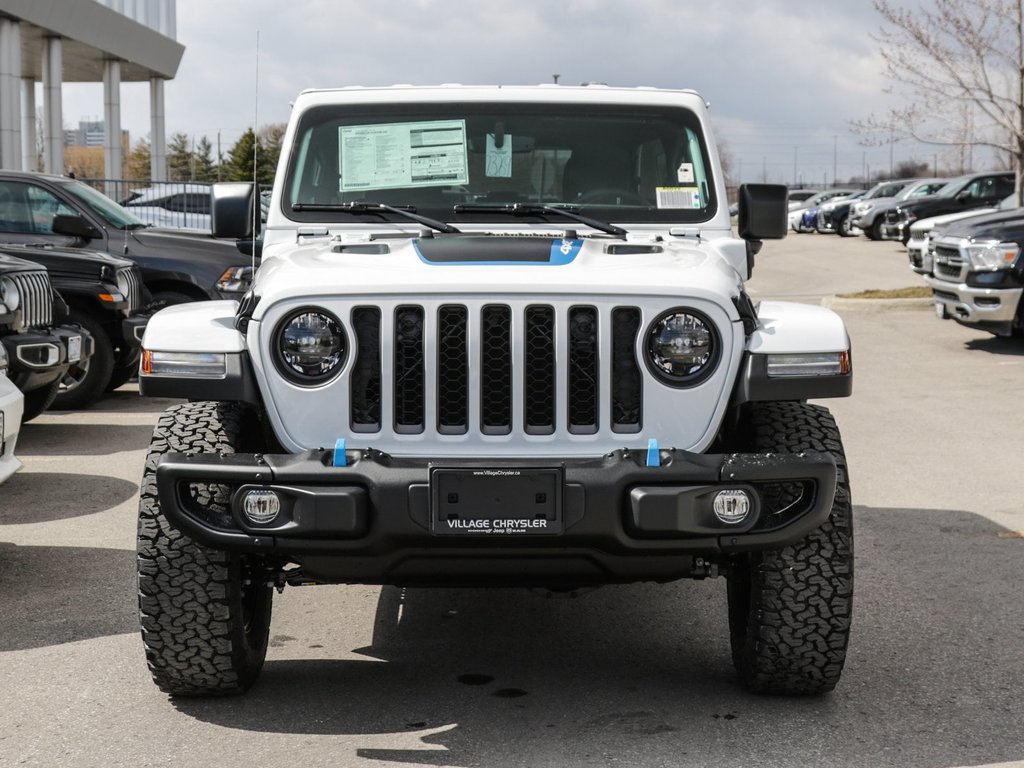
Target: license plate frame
x: 74, y: 349
x: 496, y: 501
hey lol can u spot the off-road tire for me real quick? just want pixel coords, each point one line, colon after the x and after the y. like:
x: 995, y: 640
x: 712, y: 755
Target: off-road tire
x: 85, y: 382
x: 790, y: 609
x: 38, y: 400
x: 205, y: 614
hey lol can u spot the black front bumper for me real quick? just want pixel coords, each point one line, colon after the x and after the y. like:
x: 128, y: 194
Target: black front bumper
x: 38, y: 358
x: 382, y: 520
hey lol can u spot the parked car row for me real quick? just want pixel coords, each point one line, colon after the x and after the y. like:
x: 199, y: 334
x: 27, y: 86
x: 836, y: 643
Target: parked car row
x: 79, y: 277
x: 965, y: 235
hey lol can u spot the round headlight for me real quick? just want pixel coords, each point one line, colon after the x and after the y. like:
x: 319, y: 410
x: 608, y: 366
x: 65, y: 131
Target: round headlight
x: 309, y: 346
x: 682, y: 347
x: 9, y: 295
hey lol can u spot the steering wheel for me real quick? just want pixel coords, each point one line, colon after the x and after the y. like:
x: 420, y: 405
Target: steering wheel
x: 608, y: 196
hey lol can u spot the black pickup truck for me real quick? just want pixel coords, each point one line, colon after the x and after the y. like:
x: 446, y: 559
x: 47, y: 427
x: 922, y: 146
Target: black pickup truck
x: 106, y: 297
x: 39, y: 345
x: 963, y: 193
x: 177, y: 266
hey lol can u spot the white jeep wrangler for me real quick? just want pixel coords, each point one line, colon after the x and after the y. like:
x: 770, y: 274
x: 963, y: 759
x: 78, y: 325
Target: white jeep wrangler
x: 499, y: 336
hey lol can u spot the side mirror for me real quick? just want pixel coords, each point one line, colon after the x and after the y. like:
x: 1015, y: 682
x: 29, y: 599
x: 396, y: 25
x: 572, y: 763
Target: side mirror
x: 763, y: 211
x: 963, y: 195
x: 73, y: 226
x: 232, y: 204
x: 250, y: 247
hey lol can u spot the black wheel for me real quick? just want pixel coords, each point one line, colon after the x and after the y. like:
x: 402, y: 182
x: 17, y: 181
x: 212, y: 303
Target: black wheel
x: 87, y: 379
x: 875, y: 230
x: 122, y: 375
x: 790, y: 609
x: 844, y: 227
x: 38, y: 400
x: 205, y: 613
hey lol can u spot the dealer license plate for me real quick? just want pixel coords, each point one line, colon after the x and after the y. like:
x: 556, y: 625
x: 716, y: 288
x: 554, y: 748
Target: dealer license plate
x: 501, y: 501
x: 74, y: 349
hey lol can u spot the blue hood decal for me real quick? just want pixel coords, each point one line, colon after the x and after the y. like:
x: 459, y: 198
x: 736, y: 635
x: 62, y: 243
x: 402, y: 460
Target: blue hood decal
x: 486, y: 250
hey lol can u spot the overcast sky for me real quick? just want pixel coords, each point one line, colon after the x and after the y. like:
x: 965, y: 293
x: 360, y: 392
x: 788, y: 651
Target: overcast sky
x: 783, y: 77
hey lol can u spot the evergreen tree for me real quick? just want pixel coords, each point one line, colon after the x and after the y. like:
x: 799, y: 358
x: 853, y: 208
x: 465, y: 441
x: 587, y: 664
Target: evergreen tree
x: 137, y: 163
x: 239, y: 165
x: 179, y: 158
x: 205, y: 167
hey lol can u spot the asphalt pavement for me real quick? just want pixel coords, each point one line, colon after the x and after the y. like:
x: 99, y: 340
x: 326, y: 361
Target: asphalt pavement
x: 635, y: 675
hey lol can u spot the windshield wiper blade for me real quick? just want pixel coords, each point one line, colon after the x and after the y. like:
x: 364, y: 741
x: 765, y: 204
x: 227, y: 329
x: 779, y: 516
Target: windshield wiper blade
x: 360, y: 207
x: 532, y: 209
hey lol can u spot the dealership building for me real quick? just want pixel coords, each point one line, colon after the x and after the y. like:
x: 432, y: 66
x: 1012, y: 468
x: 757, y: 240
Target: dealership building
x: 82, y: 41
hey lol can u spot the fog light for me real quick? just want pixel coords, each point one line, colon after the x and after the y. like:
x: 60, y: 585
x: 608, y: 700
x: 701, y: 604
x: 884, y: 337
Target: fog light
x: 732, y: 506
x: 261, y: 507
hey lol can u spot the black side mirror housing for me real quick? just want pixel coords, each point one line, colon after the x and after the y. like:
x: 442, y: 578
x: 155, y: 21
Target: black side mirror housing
x: 763, y: 211
x: 73, y: 226
x: 232, y: 205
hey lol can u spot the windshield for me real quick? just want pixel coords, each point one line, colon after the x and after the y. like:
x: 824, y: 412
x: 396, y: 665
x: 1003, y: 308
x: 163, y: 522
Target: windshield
x: 950, y: 188
x: 616, y: 163
x: 103, y: 206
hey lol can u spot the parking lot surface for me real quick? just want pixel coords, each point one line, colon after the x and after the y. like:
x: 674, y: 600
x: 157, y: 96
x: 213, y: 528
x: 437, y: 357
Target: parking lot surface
x: 637, y: 675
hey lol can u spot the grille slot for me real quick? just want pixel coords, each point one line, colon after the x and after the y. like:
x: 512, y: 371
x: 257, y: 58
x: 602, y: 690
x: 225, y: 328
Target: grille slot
x: 366, y: 375
x: 539, y: 370
x: 36, y: 298
x: 452, y: 371
x: 131, y: 276
x: 409, y: 374
x: 496, y: 370
x: 627, y: 382
x: 583, y: 370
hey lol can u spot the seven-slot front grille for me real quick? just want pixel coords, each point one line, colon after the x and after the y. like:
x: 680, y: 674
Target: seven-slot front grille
x: 36, y: 298
x: 483, y: 365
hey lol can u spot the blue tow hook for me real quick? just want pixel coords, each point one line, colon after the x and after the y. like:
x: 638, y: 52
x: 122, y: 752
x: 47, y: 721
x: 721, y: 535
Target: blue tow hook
x: 340, y: 459
x: 653, y: 454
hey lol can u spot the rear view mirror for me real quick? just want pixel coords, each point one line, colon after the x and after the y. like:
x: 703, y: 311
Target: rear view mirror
x: 232, y: 205
x: 763, y: 211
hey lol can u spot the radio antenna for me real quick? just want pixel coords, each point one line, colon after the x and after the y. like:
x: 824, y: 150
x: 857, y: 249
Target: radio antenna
x: 255, y: 150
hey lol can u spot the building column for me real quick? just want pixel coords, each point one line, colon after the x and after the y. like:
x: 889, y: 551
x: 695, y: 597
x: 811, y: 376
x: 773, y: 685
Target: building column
x: 10, y: 94
x: 112, y: 146
x: 157, y: 131
x: 53, y: 117
x: 29, y: 139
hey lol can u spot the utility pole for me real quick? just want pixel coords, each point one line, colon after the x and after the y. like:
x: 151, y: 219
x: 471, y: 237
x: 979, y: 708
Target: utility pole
x: 555, y: 78
x: 794, y: 165
x: 835, y: 156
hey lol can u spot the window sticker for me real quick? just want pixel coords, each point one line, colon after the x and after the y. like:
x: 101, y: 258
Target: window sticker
x: 678, y: 197
x: 684, y: 173
x: 499, y: 159
x: 393, y: 155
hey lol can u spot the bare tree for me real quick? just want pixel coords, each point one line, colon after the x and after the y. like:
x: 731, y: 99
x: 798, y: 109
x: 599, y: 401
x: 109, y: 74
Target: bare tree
x: 961, y: 62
